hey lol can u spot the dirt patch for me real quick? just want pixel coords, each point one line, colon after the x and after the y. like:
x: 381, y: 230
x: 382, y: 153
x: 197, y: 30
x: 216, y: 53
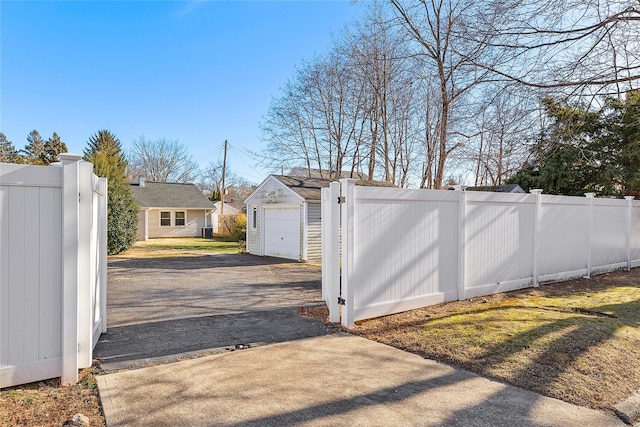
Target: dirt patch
x: 46, y: 403
x: 577, y: 341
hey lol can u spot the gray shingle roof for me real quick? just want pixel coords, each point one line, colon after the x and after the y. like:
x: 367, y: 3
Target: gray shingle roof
x: 309, y: 188
x: 169, y: 195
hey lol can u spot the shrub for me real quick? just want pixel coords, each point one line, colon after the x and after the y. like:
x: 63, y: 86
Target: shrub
x: 240, y: 230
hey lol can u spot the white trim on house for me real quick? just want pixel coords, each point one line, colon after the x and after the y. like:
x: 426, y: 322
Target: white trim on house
x: 146, y: 224
x: 305, y: 229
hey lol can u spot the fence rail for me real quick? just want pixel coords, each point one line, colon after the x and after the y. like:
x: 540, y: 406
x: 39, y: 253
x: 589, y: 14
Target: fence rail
x: 52, y: 269
x: 387, y: 250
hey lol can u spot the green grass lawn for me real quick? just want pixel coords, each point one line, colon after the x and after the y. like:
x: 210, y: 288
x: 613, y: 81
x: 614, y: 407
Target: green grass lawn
x: 578, y: 341
x: 225, y: 245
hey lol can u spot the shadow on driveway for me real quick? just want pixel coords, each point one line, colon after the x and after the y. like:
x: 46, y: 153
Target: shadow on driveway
x: 163, y: 309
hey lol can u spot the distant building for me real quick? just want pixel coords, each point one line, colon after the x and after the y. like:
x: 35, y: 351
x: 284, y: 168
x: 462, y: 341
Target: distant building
x: 170, y: 209
x: 283, y: 217
x: 505, y: 188
x: 325, y: 174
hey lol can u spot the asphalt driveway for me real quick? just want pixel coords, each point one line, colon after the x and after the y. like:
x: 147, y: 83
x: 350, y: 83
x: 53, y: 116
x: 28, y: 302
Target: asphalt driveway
x: 161, y: 310
x: 220, y: 306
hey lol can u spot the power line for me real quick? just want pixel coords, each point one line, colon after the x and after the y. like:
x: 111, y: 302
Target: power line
x: 243, y: 155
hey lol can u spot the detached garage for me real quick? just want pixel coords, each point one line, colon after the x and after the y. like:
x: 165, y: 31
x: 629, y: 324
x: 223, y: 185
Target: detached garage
x: 283, y: 218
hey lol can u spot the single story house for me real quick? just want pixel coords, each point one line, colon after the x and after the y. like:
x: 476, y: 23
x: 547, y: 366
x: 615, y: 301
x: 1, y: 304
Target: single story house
x: 171, y: 209
x: 283, y: 217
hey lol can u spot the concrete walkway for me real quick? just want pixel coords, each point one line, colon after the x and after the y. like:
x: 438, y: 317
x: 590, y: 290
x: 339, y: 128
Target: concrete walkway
x: 325, y: 381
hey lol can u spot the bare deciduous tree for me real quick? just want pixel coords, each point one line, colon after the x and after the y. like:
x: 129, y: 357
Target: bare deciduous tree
x: 575, y: 47
x: 450, y: 49
x: 161, y: 160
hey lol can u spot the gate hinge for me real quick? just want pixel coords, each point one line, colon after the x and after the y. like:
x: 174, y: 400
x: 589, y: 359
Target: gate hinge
x: 341, y: 199
x: 341, y: 301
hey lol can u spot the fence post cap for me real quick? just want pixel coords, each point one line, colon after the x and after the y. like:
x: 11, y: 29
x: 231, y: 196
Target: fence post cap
x: 590, y: 195
x: 69, y: 158
x: 629, y: 197
x: 459, y: 187
x: 536, y: 191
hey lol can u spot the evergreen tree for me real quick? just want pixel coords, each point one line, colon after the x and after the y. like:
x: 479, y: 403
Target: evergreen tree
x: 8, y: 152
x: 52, y: 147
x: 34, y: 151
x: 587, y: 151
x: 105, y: 152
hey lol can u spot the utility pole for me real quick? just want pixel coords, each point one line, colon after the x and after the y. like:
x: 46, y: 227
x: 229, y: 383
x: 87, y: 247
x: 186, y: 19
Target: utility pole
x: 224, y: 167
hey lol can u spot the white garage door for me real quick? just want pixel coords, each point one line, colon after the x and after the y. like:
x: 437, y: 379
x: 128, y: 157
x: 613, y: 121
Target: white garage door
x: 282, y: 232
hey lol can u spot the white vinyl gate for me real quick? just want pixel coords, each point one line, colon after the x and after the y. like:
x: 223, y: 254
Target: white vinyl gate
x: 386, y: 250
x: 52, y: 269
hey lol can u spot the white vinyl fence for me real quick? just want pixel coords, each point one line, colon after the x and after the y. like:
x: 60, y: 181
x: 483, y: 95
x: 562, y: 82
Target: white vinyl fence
x: 53, y: 267
x: 387, y: 250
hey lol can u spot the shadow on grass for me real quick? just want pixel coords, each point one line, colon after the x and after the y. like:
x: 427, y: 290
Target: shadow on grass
x: 537, y: 358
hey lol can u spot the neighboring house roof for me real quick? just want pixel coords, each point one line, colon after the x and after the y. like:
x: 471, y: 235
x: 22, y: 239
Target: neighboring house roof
x: 316, y: 173
x: 506, y: 188
x: 310, y: 188
x: 228, y: 209
x: 169, y: 195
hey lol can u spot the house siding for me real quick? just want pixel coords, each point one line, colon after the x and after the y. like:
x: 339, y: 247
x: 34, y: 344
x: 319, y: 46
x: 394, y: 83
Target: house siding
x: 194, y: 222
x: 314, y: 233
x: 301, y: 232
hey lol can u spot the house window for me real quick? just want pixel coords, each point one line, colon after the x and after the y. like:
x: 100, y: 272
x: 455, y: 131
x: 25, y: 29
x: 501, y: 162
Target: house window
x: 254, y: 218
x: 180, y: 219
x: 165, y: 219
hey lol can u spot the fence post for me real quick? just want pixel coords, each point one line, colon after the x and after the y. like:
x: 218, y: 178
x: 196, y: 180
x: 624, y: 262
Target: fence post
x: 590, y: 197
x: 629, y: 200
x: 85, y: 264
x: 325, y: 227
x: 333, y: 217
x: 70, y: 239
x: 536, y: 233
x: 347, y: 194
x: 462, y: 213
x: 331, y: 255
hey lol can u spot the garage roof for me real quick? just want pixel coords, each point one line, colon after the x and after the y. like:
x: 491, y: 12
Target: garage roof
x: 310, y: 188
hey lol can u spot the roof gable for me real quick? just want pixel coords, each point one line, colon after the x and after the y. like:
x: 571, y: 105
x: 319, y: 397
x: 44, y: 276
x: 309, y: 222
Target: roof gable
x: 305, y: 188
x: 272, y: 190
x: 228, y: 209
x: 169, y: 195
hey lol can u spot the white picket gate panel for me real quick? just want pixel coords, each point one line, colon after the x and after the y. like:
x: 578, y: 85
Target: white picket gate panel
x: 387, y: 250
x: 52, y: 269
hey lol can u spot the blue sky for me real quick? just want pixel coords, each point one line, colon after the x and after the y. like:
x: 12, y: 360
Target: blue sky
x: 197, y: 71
